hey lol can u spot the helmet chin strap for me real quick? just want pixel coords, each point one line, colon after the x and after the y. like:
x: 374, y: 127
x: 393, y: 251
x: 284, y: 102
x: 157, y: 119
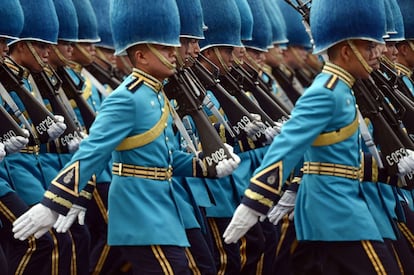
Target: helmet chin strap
x: 35, y: 54
x: 220, y: 59
x: 161, y: 58
x: 411, y: 44
x: 358, y: 55
x: 83, y: 51
x: 61, y: 57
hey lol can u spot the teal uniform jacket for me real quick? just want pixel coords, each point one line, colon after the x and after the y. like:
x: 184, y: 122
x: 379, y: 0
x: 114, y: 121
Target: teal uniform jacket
x: 141, y: 211
x: 328, y: 208
x: 5, y: 187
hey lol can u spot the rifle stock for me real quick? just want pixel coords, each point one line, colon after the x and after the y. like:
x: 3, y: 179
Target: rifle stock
x: 74, y: 92
x: 50, y: 92
x: 40, y: 117
x: 9, y: 127
x: 189, y: 104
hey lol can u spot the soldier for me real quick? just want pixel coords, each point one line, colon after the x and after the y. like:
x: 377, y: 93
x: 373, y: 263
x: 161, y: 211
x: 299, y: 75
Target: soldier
x: 134, y: 124
x: 327, y: 242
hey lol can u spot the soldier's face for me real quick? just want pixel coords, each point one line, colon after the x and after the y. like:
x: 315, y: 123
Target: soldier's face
x: 274, y: 56
x: 193, y: 48
x: 369, y: 53
x: 392, y: 52
x: 84, y: 53
x: 239, y: 53
x: 156, y: 67
x: 42, y: 50
x: 66, y: 49
x: 258, y: 56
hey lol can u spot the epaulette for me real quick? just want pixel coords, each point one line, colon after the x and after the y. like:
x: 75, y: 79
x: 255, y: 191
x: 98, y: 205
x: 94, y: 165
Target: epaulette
x: 330, y: 84
x: 134, y: 85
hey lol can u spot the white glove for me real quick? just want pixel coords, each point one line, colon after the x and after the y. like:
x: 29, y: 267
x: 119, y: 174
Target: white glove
x: 226, y: 166
x: 15, y: 144
x: 285, y: 206
x: 57, y: 128
x: 254, y: 127
x: 270, y: 133
x: 406, y: 164
x: 2, y: 152
x: 37, y: 220
x: 73, y: 145
x: 64, y: 222
x: 243, y: 219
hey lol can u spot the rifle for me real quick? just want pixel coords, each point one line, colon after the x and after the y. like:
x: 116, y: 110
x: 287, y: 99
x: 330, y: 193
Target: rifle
x: 189, y: 104
x: 9, y: 127
x: 285, y: 82
x: 270, y: 104
x: 41, y: 118
x: 74, y: 92
x: 392, y: 148
x: 403, y: 106
x: 237, y: 115
x: 103, y: 76
x: 50, y: 91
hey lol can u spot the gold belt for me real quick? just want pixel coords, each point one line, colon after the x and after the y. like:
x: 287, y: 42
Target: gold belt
x: 30, y: 149
x: 332, y: 169
x: 128, y: 170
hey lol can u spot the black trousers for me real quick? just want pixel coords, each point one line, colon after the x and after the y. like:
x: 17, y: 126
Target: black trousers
x: 32, y: 256
x: 199, y: 254
x: 344, y: 258
x: 156, y: 259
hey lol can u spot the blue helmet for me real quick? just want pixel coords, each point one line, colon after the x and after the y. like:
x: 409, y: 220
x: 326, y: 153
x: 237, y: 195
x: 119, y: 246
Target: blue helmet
x: 296, y: 31
x: 223, y: 24
x: 191, y: 18
x: 333, y: 21
x: 101, y: 9
x: 12, y: 17
x: 88, y: 25
x: 262, y: 28
x: 407, y: 10
x: 246, y: 17
x: 68, y: 20
x: 399, y: 34
x: 40, y: 21
x: 279, y: 30
x: 141, y: 21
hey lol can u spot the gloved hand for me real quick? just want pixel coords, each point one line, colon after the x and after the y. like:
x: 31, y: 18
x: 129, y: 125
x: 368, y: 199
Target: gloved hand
x: 243, y: 219
x: 270, y: 133
x: 73, y: 145
x: 406, y: 164
x: 226, y: 166
x: 15, y: 144
x: 285, y: 206
x: 2, y: 152
x: 37, y: 220
x: 63, y: 223
x: 57, y: 128
x: 254, y: 127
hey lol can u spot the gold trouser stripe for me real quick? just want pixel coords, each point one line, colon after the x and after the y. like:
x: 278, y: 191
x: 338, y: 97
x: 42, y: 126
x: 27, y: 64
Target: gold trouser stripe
x: 336, y: 136
x: 7, y: 212
x: 219, y: 243
x: 259, y: 266
x: 129, y: 170
x: 162, y: 260
x: 397, y: 258
x: 21, y: 268
x: 283, y: 231
x: 243, y: 254
x: 73, y: 265
x: 332, y: 169
x: 101, y: 205
x: 148, y: 136
x: 102, y: 258
x: 55, y: 254
x: 407, y: 233
x: 294, y: 245
x: 192, y: 264
x: 373, y: 257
